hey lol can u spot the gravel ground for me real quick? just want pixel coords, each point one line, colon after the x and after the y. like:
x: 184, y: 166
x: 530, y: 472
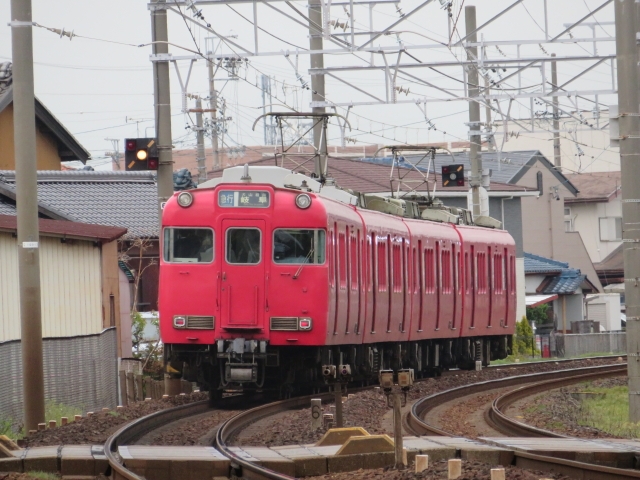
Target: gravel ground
x: 97, y: 428
x: 438, y: 471
x: 558, y: 411
x: 366, y: 409
x: 197, y: 432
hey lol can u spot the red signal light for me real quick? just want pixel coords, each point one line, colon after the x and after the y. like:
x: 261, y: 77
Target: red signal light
x: 130, y: 145
x: 152, y: 164
x: 461, y: 182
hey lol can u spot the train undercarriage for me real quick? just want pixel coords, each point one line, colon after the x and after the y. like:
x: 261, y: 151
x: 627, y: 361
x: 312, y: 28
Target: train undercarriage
x: 251, y: 365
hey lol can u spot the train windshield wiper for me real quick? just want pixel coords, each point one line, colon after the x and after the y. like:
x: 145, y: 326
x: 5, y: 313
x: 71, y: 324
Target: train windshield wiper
x: 306, y: 260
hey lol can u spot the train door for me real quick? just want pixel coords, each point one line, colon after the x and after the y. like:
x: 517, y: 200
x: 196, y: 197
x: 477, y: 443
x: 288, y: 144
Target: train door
x: 242, y: 276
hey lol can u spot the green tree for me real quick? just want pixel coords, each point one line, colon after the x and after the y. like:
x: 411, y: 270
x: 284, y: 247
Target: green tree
x: 538, y: 314
x: 523, y: 340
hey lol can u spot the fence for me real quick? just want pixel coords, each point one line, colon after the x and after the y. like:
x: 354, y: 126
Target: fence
x: 135, y: 388
x: 573, y: 345
x: 78, y: 371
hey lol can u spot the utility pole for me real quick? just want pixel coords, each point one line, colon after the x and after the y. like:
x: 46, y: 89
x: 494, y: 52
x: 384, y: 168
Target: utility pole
x: 115, y: 153
x: 213, y: 105
x: 317, y: 84
x: 627, y: 59
x: 202, y: 170
x: 487, y: 114
x: 557, y: 159
x: 24, y: 125
x: 162, y: 98
x: 474, y: 111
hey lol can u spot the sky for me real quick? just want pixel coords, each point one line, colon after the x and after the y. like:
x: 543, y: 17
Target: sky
x: 99, y: 84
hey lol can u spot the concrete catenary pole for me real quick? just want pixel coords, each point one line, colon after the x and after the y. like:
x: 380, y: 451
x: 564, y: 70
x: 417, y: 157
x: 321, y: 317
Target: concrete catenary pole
x: 557, y: 159
x: 202, y: 169
x: 317, y: 84
x: 474, y: 111
x: 213, y: 105
x: 160, y: 37
x: 627, y: 59
x: 24, y: 125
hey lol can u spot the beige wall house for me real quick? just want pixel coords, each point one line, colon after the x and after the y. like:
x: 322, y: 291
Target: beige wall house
x: 54, y: 143
x: 79, y: 278
x: 596, y: 212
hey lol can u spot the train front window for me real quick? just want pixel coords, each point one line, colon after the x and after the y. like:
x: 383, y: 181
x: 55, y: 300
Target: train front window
x: 243, y: 245
x: 188, y: 245
x: 298, y: 246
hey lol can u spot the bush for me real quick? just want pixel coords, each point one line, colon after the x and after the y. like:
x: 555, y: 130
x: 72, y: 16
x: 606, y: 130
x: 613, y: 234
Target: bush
x: 538, y: 314
x: 523, y: 339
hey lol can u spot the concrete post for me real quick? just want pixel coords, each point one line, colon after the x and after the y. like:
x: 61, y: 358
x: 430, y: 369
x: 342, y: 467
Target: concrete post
x: 200, y: 159
x: 422, y: 463
x: 337, y: 390
x: 455, y: 468
x: 316, y: 413
x: 52, y: 423
x: 213, y: 106
x: 139, y: 394
x: 24, y: 125
x: 474, y: 111
x: 557, y: 158
x: 162, y: 97
x: 497, y: 474
x: 64, y: 421
x: 317, y: 84
x: 397, y: 429
x: 627, y: 57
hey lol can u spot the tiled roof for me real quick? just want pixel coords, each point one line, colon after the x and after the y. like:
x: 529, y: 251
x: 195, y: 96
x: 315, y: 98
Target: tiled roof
x: 595, y: 187
x: 567, y: 282
x: 366, y: 177
x: 119, y: 199
x: 537, y: 264
x: 7, y: 208
x: 614, y: 262
x: 63, y: 228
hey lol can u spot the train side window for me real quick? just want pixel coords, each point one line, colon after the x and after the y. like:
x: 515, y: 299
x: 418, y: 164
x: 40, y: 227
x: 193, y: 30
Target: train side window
x: 512, y: 275
x: 342, y: 260
x: 497, y: 274
x: 382, y: 265
x: 244, y: 246
x: 332, y: 257
x: 467, y: 273
x: 299, y: 246
x: 188, y: 245
x: 353, y: 261
x: 482, y: 273
x: 430, y: 275
x: 446, y: 271
x: 397, y: 268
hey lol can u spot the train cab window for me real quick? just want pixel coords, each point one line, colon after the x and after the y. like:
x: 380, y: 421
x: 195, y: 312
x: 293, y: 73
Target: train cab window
x: 243, y: 245
x: 298, y: 246
x: 188, y: 245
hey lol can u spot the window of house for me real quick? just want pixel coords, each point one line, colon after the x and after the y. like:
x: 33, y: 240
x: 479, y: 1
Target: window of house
x: 188, y: 245
x: 610, y: 229
x: 568, y: 220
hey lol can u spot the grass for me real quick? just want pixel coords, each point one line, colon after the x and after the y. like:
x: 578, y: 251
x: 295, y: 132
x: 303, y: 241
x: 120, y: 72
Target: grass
x: 43, y: 475
x: 609, y: 413
x: 13, y: 429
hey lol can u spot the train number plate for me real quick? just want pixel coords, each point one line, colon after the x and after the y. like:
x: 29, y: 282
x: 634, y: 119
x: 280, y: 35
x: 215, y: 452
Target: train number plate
x: 243, y: 199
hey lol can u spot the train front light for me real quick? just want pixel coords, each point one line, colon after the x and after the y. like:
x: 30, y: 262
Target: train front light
x: 303, y: 201
x: 304, y: 323
x: 179, y: 321
x: 185, y: 199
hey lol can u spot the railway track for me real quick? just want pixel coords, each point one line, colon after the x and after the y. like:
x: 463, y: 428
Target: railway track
x: 244, y: 468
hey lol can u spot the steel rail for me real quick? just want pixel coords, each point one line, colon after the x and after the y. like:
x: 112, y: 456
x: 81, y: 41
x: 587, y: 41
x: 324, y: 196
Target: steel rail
x: 414, y: 420
x: 504, y: 424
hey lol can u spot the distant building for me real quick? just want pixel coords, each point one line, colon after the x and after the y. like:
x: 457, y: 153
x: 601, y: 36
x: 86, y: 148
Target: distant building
x: 54, y: 143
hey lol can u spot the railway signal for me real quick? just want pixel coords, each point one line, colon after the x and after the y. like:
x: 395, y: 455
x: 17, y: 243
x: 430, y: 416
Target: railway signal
x: 453, y: 175
x: 140, y: 154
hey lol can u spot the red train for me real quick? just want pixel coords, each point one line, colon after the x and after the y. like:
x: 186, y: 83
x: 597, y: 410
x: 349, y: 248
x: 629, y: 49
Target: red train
x: 268, y: 280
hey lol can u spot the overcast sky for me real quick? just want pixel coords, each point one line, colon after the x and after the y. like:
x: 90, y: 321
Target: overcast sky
x: 99, y: 84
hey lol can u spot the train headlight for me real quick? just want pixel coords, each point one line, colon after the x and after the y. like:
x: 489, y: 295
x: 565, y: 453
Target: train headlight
x: 305, y: 323
x: 179, y: 321
x: 303, y: 201
x: 185, y: 199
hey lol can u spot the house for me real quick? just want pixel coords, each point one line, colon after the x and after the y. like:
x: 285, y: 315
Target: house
x: 54, y: 143
x: 119, y: 199
x: 81, y: 315
x: 543, y: 215
x: 596, y: 212
x: 375, y: 178
x: 549, y: 281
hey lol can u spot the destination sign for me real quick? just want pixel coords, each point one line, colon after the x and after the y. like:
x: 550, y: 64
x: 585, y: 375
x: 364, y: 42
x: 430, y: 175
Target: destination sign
x: 243, y: 199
